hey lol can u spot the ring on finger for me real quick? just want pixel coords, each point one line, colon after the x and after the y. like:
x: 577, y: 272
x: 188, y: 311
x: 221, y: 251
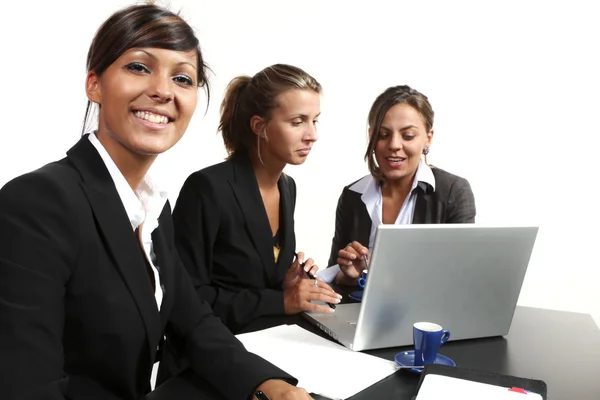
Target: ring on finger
x: 316, y: 283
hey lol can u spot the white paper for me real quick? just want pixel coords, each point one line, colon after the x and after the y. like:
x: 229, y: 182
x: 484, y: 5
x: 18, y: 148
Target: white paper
x: 436, y: 387
x: 327, y: 275
x: 320, y: 365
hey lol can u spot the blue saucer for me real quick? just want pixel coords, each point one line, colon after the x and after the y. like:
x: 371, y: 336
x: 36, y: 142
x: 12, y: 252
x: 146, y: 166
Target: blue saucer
x: 356, y: 295
x: 407, y: 358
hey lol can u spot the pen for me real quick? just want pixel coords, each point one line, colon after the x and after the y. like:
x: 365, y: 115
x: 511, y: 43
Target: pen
x: 311, y: 276
x: 365, y: 260
x: 260, y: 395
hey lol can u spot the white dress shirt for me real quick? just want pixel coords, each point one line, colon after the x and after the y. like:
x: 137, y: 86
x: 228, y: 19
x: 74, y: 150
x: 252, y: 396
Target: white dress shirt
x: 372, y: 197
x: 142, y: 206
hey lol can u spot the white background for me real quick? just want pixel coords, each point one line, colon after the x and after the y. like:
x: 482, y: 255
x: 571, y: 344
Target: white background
x: 514, y: 85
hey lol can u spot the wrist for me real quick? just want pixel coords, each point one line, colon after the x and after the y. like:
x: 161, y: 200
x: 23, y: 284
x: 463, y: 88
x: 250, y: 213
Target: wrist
x: 270, y: 387
x: 343, y: 279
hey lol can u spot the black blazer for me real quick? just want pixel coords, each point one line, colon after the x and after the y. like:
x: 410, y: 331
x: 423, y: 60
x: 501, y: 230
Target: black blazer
x: 78, y: 314
x: 451, y: 202
x: 225, y: 241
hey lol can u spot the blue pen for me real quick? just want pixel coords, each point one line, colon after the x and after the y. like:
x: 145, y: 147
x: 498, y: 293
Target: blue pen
x: 311, y: 276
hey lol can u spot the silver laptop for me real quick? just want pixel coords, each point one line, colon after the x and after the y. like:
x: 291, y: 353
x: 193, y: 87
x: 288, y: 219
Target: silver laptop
x: 465, y: 277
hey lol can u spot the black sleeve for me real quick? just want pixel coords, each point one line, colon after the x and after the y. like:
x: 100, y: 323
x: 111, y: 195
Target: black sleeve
x: 38, y: 249
x: 213, y: 351
x: 341, y: 237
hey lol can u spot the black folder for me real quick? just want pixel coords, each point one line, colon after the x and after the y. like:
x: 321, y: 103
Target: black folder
x: 533, y: 385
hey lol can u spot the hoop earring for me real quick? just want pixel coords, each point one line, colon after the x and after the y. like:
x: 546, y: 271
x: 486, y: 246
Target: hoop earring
x: 264, y: 135
x: 258, y: 150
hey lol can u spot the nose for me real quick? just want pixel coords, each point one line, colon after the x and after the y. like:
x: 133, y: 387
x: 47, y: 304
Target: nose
x: 311, y: 133
x: 396, y: 142
x: 161, y: 88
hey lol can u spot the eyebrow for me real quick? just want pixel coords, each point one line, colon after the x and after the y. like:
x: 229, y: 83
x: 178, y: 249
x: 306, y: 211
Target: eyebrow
x: 156, y: 59
x: 304, y: 116
x: 402, y: 129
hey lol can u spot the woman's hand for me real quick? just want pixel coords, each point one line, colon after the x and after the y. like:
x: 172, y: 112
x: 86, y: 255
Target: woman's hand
x: 298, y: 271
x: 276, y: 389
x: 351, y: 262
x: 298, y: 298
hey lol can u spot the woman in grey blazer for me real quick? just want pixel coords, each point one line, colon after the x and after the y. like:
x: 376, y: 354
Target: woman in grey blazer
x: 401, y: 188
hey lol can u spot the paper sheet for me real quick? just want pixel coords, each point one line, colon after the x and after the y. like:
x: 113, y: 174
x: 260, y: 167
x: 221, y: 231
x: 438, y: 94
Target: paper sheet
x: 435, y: 387
x: 320, y: 365
x: 327, y: 275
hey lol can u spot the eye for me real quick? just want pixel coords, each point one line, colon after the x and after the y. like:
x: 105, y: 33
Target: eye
x: 184, y: 80
x: 408, y: 137
x: 297, y: 122
x: 383, y: 135
x: 137, y: 67
x: 316, y: 121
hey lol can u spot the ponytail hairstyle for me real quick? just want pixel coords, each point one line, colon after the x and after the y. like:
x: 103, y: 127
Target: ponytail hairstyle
x: 247, y: 96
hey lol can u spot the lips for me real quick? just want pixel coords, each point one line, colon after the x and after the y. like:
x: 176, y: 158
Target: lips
x: 304, y: 152
x: 152, y: 120
x: 151, y: 117
x: 395, y: 162
x: 395, y: 159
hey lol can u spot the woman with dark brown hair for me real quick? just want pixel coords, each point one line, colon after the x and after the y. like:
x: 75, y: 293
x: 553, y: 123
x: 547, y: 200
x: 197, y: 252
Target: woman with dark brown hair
x: 402, y: 187
x: 90, y: 279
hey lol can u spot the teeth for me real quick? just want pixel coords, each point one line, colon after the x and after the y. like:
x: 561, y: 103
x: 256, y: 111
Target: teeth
x: 395, y: 159
x: 154, y: 118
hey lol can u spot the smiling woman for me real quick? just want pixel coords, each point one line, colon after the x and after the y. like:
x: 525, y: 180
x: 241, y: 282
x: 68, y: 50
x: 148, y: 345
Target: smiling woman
x: 146, y: 99
x: 401, y: 189
x: 90, y: 281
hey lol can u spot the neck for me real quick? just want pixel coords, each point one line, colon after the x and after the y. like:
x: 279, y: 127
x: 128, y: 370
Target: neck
x: 133, y: 166
x: 397, y: 188
x: 267, y: 174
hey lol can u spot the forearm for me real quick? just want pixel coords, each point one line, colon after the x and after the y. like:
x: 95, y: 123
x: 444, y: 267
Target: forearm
x: 238, y: 309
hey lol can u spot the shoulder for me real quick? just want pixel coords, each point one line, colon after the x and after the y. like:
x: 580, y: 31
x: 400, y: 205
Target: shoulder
x: 209, y: 177
x: 352, y: 193
x: 54, y: 181
x: 359, y: 186
x: 44, y: 206
x: 446, y: 181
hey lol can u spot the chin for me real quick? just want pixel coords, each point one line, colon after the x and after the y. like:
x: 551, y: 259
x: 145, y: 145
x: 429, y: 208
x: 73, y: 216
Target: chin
x: 298, y: 162
x: 153, y: 147
x: 395, y: 176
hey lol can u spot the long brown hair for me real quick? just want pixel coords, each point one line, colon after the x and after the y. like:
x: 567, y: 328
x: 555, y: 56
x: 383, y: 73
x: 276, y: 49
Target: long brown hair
x: 389, y: 98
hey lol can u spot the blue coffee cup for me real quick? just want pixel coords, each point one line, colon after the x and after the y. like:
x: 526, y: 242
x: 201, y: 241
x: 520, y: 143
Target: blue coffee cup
x: 427, y: 338
x: 362, y: 280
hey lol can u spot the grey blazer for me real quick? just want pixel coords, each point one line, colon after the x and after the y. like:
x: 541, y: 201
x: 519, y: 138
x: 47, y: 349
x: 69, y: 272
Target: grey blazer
x: 451, y: 202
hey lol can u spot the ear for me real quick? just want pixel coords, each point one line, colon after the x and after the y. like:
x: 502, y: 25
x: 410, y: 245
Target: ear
x: 429, y: 138
x: 258, y: 125
x: 92, y: 87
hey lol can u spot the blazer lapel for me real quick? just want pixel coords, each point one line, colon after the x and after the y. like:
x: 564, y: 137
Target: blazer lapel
x: 363, y: 232
x: 423, y: 204
x: 163, y: 258
x: 117, y: 233
x: 288, y: 238
x: 247, y: 194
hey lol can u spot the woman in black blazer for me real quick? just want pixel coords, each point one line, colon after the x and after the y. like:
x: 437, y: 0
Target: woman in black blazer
x: 90, y: 279
x: 234, y: 221
x: 401, y: 188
